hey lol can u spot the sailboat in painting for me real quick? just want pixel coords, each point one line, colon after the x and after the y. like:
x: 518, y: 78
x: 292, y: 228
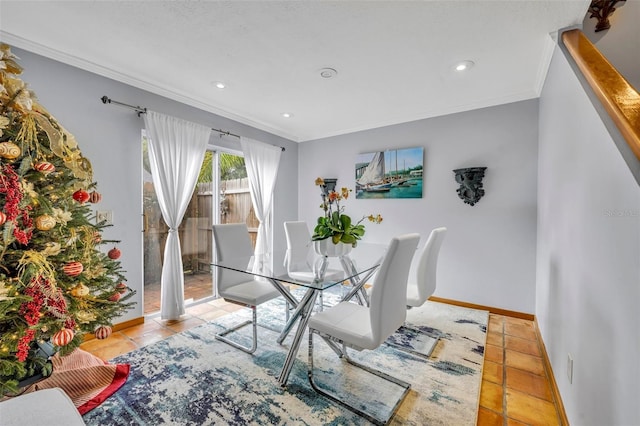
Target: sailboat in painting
x: 389, y: 174
x: 373, y: 177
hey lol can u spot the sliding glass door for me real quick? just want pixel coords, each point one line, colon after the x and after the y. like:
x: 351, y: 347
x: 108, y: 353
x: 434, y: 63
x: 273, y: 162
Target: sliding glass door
x: 221, y: 196
x: 235, y: 198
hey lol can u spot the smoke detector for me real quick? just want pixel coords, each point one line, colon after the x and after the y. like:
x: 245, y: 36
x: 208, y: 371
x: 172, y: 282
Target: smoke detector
x: 328, y: 72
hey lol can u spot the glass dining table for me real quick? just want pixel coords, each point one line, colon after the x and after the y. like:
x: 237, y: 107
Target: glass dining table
x: 359, y: 266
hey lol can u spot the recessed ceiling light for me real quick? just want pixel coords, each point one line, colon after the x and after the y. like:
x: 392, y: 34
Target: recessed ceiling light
x: 220, y: 85
x: 464, y: 65
x: 328, y: 73
x: 287, y: 115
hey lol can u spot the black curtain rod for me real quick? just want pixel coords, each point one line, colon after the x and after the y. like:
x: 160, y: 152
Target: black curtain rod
x: 142, y: 110
x: 137, y: 109
x: 225, y: 132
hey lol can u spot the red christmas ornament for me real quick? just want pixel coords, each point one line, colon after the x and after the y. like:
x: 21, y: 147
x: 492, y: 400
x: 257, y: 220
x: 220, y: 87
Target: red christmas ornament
x: 73, y: 269
x: 44, y: 167
x: 62, y: 337
x: 81, y: 196
x: 3, y: 218
x: 114, y: 253
x: 122, y: 288
x: 95, y: 197
x: 102, y: 332
x: 115, y: 297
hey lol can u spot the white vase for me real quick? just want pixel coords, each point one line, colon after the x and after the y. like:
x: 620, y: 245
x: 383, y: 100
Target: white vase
x: 328, y: 249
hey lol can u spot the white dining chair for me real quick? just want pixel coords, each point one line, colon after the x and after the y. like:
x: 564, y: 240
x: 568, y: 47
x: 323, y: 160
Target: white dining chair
x: 422, y: 282
x: 233, y: 246
x: 367, y: 327
x: 420, y: 286
x: 296, y: 261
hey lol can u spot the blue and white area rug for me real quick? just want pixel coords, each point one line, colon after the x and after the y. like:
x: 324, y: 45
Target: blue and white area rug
x: 193, y: 379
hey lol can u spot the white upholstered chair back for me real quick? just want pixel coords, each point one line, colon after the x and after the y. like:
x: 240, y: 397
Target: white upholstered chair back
x: 388, y: 308
x: 298, y: 245
x: 233, y: 245
x: 422, y: 283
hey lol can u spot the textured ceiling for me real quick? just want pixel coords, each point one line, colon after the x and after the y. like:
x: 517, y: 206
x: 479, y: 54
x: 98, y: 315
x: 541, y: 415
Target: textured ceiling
x: 394, y: 58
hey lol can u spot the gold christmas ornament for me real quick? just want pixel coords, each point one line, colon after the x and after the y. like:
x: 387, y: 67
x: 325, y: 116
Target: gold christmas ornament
x: 62, y: 216
x: 4, y: 291
x: 9, y: 150
x: 4, y: 123
x: 80, y: 290
x: 51, y: 248
x: 45, y: 222
x: 85, y: 317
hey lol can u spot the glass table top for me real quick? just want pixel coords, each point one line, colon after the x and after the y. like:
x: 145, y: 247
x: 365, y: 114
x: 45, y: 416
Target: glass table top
x: 362, y: 259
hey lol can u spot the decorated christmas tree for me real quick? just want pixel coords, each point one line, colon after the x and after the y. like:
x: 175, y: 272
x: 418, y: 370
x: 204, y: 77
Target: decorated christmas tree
x: 56, y: 284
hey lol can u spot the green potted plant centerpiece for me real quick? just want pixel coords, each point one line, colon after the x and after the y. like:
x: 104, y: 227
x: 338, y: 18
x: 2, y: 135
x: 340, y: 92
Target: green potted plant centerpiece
x: 335, y: 233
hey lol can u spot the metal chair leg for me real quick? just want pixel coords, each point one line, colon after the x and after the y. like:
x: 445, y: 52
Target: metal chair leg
x: 401, y: 383
x: 247, y: 349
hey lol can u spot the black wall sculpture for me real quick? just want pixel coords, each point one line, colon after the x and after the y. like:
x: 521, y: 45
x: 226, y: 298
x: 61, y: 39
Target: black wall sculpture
x: 329, y: 185
x: 470, y: 180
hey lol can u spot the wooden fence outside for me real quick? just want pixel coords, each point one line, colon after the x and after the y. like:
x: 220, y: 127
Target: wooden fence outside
x: 196, y: 235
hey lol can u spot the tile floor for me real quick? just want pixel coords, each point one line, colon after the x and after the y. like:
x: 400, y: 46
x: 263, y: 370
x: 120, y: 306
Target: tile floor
x: 515, y: 388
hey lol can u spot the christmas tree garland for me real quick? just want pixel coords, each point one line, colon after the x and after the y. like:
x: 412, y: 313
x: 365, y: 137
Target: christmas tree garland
x: 56, y: 285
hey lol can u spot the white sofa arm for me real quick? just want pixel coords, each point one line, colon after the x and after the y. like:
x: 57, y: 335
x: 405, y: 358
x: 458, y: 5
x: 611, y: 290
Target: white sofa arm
x: 47, y: 406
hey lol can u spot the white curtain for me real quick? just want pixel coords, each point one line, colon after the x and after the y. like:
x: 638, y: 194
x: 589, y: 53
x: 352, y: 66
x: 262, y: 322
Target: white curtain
x: 176, y: 152
x: 261, y: 161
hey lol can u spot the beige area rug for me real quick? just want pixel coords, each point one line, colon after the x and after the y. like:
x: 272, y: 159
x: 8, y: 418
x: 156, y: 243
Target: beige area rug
x: 192, y: 379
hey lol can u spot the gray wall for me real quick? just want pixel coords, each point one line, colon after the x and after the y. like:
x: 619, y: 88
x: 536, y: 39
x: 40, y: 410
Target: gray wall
x: 588, y: 256
x: 488, y: 256
x: 109, y: 136
x: 584, y: 288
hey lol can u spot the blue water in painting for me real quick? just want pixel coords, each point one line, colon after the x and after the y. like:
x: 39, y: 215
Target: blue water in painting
x: 414, y: 190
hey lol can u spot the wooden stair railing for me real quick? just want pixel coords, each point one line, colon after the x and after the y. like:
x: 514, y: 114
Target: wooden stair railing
x: 619, y: 98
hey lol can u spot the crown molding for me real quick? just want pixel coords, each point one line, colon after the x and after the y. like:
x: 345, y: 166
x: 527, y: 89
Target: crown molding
x: 112, y: 74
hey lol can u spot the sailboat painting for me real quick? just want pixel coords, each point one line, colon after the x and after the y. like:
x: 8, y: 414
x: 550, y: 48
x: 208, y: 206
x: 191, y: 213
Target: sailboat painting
x: 390, y: 174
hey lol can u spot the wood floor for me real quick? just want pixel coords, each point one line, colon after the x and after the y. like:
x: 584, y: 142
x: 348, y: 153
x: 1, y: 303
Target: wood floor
x: 515, y: 389
x: 197, y: 286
